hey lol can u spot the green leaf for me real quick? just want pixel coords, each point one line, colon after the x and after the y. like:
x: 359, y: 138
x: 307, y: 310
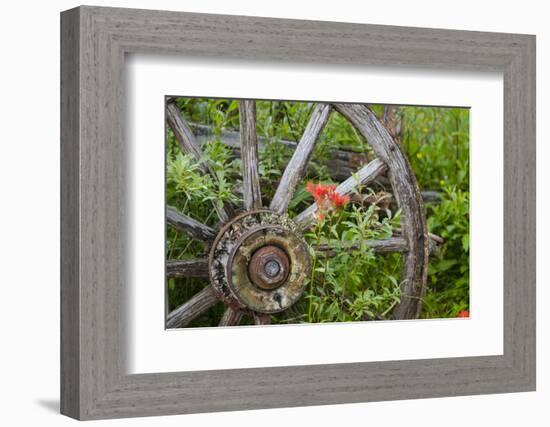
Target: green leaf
x: 466, y: 242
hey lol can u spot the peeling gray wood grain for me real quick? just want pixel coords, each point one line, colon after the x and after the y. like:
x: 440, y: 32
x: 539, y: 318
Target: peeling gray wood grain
x: 184, y: 135
x: 249, y: 154
x: 394, y: 244
x: 380, y: 246
x: 187, y: 268
x: 231, y: 317
x: 189, y: 225
x: 192, y: 308
x: 296, y: 168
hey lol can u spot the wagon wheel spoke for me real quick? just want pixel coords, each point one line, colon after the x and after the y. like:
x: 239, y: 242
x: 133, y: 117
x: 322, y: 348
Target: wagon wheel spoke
x: 188, y: 144
x: 392, y: 121
x: 249, y: 155
x: 188, y: 225
x: 261, y: 319
x: 297, y: 165
x: 379, y: 246
x: 363, y: 177
x: 187, y: 268
x: 186, y: 312
x: 231, y: 317
x: 434, y: 241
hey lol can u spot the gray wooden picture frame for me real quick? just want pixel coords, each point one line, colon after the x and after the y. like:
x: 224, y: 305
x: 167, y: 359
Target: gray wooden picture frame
x: 94, y: 41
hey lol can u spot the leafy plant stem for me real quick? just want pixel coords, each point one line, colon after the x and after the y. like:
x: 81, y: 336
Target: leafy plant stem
x: 313, y: 267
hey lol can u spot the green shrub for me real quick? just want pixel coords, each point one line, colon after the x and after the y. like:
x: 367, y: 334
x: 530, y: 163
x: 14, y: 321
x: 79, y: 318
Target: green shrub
x: 449, y: 273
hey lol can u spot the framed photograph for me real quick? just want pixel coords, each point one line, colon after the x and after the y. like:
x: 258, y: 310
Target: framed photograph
x: 262, y: 213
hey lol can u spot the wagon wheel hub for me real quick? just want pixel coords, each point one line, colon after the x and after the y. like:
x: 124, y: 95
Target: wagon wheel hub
x: 260, y: 262
x: 269, y: 267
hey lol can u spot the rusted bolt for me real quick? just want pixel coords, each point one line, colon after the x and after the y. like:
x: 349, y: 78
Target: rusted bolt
x: 269, y: 267
x: 272, y: 268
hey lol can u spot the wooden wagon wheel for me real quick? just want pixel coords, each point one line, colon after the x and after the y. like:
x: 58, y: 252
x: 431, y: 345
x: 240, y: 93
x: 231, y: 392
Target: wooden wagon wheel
x: 258, y: 261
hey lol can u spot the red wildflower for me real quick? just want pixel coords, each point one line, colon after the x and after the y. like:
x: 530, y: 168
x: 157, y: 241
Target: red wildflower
x: 338, y: 200
x: 327, y: 198
x: 463, y: 313
x: 319, y: 191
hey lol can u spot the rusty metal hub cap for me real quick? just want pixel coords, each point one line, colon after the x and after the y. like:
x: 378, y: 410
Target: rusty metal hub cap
x: 260, y: 262
x: 268, y: 267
